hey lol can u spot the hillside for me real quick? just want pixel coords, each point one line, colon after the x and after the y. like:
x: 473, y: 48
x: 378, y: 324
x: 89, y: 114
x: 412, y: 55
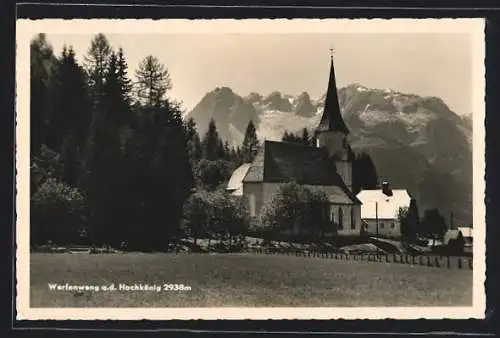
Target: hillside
x: 416, y: 142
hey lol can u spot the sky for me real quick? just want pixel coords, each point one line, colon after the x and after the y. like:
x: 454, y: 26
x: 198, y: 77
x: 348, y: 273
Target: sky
x: 427, y: 64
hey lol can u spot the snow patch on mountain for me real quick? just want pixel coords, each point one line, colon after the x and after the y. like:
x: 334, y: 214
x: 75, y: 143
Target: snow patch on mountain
x: 274, y: 123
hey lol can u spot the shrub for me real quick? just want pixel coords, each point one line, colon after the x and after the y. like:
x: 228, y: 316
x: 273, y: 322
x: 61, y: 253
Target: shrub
x: 216, y: 214
x: 296, y: 209
x: 210, y: 174
x: 57, y: 213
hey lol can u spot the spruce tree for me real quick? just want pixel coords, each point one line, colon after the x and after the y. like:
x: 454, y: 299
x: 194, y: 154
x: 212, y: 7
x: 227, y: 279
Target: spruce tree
x: 250, y: 143
x: 211, y: 142
x: 123, y: 79
x: 73, y: 96
x: 193, y: 140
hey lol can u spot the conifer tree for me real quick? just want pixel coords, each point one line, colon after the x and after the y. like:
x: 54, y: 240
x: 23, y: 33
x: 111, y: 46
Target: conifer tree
x: 153, y: 81
x: 250, y: 143
x: 364, y: 173
x: 123, y: 79
x: 193, y: 140
x: 96, y: 63
x: 211, y: 142
x: 73, y: 97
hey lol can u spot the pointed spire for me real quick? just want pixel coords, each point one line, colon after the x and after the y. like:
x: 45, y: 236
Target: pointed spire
x: 332, y: 118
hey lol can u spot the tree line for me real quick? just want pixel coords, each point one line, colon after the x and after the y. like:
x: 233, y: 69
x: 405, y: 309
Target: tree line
x: 113, y: 159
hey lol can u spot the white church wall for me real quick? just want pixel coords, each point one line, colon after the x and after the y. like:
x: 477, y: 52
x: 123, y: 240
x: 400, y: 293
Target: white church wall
x: 351, y: 219
x: 253, y: 193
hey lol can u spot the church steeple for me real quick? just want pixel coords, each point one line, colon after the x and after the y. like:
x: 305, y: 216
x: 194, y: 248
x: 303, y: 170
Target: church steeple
x: 332, y: 118
x: 332, y: 133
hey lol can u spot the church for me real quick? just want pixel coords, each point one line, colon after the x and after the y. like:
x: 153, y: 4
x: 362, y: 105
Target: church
x: 327, y: 166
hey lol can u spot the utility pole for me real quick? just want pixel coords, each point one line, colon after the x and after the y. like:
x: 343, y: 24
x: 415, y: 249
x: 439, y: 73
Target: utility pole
x: 451, y: 221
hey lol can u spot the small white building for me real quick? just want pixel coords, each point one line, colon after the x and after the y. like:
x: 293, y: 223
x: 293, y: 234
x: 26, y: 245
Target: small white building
x: 381, y: 206
x: 468, y: 235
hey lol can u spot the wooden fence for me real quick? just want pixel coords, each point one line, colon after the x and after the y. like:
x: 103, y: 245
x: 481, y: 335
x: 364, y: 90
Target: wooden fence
x: 447, y: 262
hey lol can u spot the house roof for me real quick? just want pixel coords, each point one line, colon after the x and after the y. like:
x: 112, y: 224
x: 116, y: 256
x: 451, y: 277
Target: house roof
x: 332, y: 120
x: 449, y: 235
x: 466, y: 231
x: 377, y: 204
x: 280, y: 162
x: 235, y: 185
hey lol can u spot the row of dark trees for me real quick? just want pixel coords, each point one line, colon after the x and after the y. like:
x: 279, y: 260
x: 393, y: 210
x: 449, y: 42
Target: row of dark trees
x: 112, y: 158
x: 432, y: 225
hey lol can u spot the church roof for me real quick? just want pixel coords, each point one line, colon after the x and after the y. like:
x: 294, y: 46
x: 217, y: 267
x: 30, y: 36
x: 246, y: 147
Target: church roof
x: 332, y: 120
x: 234, y: 185
x: 280, y: 162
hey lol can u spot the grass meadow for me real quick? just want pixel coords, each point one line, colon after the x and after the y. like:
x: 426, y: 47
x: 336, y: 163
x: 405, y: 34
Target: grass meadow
x: 243, y: 280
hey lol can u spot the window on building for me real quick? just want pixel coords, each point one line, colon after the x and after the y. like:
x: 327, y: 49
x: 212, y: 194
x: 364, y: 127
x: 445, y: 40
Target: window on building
x: 381, y: 225
x: 353, y: 219
x: 341, y: 218
x: 392, y: 225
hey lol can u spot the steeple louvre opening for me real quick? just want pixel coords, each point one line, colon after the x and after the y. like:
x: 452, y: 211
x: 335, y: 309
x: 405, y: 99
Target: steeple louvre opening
x: 332, y: 117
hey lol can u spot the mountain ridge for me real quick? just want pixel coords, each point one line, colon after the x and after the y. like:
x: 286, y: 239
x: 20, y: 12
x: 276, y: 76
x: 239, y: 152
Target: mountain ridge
x: 385, y: 123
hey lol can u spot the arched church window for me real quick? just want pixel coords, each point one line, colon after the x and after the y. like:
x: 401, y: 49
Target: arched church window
x: 341, y: 218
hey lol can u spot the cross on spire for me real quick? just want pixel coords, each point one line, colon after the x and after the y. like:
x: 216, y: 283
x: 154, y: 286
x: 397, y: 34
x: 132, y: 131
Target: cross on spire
x: 331, y: 52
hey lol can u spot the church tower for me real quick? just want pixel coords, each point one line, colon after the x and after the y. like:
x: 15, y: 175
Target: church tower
x: 332, y: 132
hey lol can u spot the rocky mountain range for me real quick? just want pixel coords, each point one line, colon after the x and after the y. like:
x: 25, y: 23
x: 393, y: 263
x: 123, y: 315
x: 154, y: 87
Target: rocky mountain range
x: 416, y: 142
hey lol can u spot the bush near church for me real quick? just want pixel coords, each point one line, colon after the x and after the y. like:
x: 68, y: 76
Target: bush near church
x: 216, y: 215
x: 295, y: 209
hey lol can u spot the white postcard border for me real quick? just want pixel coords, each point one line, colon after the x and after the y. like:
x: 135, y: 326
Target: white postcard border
x: 26, y: 29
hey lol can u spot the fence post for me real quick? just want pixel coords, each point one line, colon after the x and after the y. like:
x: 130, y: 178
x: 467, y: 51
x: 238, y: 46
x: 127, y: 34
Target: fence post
x: 429, y: 263
x: 459, y: 262
x: 420, y: 260
x: 448, y: 263
x: 470, y: 263
x: 437, y: 262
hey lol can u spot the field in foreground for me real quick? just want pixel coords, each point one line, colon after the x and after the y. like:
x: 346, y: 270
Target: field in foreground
x: 240, y: 280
